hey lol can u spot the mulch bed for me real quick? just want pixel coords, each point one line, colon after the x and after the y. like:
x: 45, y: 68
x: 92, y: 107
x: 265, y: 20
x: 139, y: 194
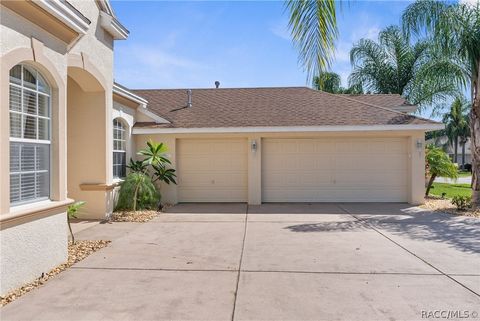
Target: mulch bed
x: 444, y: 205
x: 137, y: 216
x: 76, y: 253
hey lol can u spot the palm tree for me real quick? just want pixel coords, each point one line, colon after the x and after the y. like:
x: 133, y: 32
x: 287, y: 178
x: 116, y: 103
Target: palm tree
x: 456, y: 127
x: 313, y: 26
x: 394, y: 66
x: 455, y: 31
x: 327, y: 81
x: 330, y: 82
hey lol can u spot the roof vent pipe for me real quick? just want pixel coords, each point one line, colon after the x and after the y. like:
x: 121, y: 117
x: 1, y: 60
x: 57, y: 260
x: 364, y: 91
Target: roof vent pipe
x: 189, y: 101
x: 217, y: 84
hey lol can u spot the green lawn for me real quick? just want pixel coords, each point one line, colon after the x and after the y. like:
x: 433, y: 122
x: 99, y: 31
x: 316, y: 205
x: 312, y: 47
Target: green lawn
x: 451, y: 190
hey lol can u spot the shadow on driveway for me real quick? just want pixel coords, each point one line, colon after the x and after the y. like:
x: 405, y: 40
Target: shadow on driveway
x: 327, y: 227
x: 461, y: 233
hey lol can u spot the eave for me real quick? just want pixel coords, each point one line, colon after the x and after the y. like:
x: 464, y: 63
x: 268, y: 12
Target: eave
x: 113, y: 26
x: 291, y: 129
x: 56, y: 17
x: 141, y: 103
x: 123, y: 92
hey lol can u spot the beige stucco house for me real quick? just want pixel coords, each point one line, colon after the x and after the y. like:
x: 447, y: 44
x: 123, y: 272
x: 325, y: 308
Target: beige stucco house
x: 67, y: 131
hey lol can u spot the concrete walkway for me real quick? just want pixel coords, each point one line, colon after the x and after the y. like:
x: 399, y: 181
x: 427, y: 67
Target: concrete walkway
x: 270, y: 262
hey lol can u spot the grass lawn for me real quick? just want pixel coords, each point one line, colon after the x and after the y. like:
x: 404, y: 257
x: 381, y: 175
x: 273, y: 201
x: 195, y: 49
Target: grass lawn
x: 451, y: 190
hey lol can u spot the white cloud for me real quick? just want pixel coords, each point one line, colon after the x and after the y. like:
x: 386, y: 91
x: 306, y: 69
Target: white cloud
x: 152, y: 66
x: 280, y: 29
x: 367, y: 32
x: 342, y: 51
x: 470, y: 2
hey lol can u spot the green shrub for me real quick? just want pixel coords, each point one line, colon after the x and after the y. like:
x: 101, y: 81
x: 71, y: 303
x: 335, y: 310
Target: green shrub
x: 141, y: 187
x: 462, y: 202
x: 438, y: 163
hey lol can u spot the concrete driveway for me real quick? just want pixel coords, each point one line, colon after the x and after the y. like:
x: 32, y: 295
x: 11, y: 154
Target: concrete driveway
x: 271, y: 262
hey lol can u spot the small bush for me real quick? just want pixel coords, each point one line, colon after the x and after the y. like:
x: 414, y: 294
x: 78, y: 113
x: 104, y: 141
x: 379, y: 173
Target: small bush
x: 147, y: 195
x: 462, y: 202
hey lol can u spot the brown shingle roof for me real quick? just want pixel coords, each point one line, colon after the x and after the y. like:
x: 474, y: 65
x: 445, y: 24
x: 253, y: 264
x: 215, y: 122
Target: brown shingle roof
x: 392, y: 101
x: 252, y: 107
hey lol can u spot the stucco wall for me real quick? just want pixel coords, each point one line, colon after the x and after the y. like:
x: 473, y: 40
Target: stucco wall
x: 416, y: 156
x: 37, y: 242
x: 30, y: 249
x: 97, y: 44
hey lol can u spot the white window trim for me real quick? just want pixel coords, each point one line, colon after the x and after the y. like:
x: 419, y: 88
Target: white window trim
x: 21, y: 204
x: 124, y: 131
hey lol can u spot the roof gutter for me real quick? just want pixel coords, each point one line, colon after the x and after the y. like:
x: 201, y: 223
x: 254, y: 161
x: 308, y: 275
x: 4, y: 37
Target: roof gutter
x: 142, y: 103
x: 290, y: 129
x: 121, y: 91
x: 113, y: 26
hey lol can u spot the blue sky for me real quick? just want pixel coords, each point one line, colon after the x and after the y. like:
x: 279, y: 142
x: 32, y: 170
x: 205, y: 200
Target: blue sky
x: 241, y: 43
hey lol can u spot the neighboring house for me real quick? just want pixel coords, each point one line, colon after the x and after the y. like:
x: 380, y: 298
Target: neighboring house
x: 67, y: 131
x: 443, y: 142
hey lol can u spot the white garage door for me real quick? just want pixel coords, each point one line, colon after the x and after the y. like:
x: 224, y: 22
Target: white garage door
x: 334, y: 169
x: 212, y: 170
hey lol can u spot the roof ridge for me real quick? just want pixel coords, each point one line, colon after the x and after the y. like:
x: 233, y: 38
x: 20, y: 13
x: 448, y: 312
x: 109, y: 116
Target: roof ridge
x: 372, y: 105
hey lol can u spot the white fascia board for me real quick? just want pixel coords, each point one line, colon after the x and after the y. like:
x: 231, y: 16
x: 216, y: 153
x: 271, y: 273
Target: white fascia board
x: 65, y: 14
x: 297, y: 129
x: 142, y: 103
x: 129, y: 95
x: 113, y: 26
x: 155, y: 117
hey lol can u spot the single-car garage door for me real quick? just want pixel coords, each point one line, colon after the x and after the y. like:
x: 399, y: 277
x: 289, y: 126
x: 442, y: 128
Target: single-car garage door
x: 334, y: 170
x: 212, y: 170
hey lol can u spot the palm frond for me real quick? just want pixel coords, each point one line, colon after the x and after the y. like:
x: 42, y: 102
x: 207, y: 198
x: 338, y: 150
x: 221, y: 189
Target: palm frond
x: 313, y: 26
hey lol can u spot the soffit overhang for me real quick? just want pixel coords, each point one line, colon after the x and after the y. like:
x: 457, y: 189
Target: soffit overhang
x: 59, y: 18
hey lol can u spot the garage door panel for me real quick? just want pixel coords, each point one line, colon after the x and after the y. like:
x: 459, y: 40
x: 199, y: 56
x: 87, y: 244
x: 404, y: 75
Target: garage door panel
x: 212, y: 170
x: 295, y: 180
x: 193, y: 178
x: 334, y: 169
x: 366, y: 180
x: 220, y: 195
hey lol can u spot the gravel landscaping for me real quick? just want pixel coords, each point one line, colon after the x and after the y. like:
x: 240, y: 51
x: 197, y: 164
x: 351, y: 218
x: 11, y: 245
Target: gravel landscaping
x: 137, y: 216
x: 76, y: 253
x: 445, y: 205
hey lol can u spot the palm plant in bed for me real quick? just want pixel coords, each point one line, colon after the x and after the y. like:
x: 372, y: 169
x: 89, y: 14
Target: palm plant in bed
x: 138, y: 191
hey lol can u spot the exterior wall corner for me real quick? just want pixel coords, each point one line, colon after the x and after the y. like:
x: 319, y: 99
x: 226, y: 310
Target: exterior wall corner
x: 416, y: 166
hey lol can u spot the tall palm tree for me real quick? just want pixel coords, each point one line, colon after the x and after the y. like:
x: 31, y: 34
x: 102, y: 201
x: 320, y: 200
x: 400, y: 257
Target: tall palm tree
x: 331, y: 83
x: 313, y: 26
x: 394, y: 66
x: 455, y: 31
x: 456, y: 127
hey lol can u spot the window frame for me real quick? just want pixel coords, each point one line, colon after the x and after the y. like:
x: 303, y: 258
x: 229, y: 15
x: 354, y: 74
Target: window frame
x: 123, y: 141
x: 31, y: 141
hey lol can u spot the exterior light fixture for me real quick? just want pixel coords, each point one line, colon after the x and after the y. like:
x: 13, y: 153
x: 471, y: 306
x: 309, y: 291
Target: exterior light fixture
x: 419, y: 144
x: 254, y: 145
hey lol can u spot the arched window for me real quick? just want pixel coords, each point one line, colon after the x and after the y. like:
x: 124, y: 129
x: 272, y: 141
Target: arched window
x: 30, y: 114
x: 119, y: 149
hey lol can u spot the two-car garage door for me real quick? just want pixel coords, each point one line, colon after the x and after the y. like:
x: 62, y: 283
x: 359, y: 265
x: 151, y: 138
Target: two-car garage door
x: 334, y: 169
x: 295, y: 170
